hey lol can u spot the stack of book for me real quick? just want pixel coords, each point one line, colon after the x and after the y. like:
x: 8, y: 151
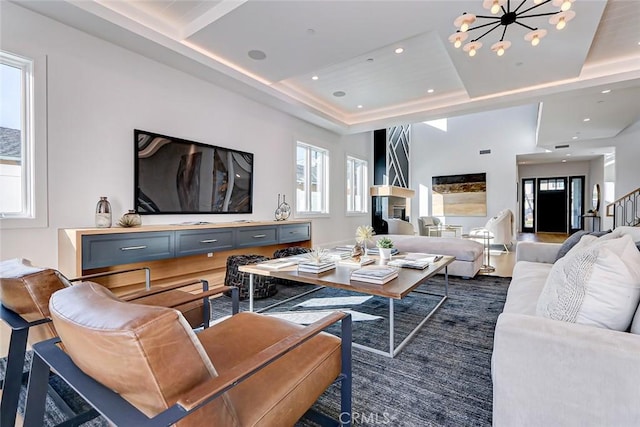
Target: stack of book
x: 277, y: 264
x: 376, y: 251
x: 378, y: 274
x: 356, y: 262
x: 416, y: 261
x: 316, y: 266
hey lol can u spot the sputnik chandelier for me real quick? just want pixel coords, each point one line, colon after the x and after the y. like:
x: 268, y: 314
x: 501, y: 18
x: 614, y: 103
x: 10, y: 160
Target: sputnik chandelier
x: 465, y: 21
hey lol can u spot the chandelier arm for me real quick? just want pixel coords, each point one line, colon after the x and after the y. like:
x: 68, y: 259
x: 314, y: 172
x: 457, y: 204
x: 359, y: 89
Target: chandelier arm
x: 503, y: 33
x: 487, y: 16
x: 487, y: 32
x: 496, y: 22
x: 526, y: 26
x: 538, y: 14
x: 519, y: 6
x: 534, y: 6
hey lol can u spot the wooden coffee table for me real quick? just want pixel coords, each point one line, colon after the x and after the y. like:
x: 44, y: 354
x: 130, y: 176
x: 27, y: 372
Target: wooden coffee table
x: 408, y: 281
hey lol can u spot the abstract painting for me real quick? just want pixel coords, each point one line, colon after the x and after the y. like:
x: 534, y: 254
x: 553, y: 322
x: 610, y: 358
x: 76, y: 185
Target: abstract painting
x: 459, y: 195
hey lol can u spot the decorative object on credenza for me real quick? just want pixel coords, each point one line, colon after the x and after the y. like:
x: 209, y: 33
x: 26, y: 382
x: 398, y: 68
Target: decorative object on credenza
x: 385, y: 244
x: 459, y: 195
x: 130, y: 219
x: 103, y: 213
x: 283, y: 211
x: 516, y: 15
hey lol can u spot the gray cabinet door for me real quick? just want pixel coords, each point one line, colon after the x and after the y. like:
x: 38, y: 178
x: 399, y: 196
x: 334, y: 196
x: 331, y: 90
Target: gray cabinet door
x: 114, y: 249
x: 294, y: 233
x: 192, y: 242
x: 256, y: 236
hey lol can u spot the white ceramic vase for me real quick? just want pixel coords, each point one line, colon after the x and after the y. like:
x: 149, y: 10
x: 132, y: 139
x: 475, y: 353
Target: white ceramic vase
x: 385, y: 253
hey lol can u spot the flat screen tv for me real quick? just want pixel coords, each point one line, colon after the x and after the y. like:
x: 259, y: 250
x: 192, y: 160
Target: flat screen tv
x: 177, y: 176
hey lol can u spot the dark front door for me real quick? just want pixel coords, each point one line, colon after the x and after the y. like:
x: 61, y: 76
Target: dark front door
x: 551, y: 205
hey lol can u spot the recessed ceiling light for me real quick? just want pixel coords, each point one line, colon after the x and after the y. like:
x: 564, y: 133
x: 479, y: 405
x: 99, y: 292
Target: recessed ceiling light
x: 258, y: 55
x: 369, y: 59
x: 399, y: 50
x: 430, y: 91
x: 359, y: 106
x: 339, y: 93
x: 575, y: 137
x: 568, y: 154
x: 314, y: 78
x: 606, y: 91
x: 586, y: 120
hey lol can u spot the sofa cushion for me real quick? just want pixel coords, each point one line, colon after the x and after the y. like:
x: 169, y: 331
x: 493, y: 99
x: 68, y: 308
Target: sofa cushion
x: 462, y: 249
x: 572, y: 240
x: 597, y: 283
x: 526, y: 286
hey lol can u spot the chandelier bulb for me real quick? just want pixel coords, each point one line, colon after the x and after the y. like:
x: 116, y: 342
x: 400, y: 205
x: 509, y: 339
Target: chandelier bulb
x: 457, y: 43
x: 566, y: 5
x: 495, y: 8
x: 535, y: 41
x: 464, y: 27
x: 561, y: 24
x: 500, y: 51
x: 472, y: 52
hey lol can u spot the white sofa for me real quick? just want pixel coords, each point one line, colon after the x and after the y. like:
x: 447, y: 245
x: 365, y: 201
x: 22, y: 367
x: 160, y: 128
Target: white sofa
x: 468, y: 253
x: 554, y: 373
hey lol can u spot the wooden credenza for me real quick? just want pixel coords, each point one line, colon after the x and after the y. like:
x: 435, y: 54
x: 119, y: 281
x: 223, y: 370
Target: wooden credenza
x: 173, y: 252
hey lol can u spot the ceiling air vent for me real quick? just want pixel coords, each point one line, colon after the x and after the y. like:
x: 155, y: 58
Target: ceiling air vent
x: 485, y: 151
x: 562, y: 146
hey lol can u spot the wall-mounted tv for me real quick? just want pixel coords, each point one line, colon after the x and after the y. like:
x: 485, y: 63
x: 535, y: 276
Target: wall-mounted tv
x: 177, y: 176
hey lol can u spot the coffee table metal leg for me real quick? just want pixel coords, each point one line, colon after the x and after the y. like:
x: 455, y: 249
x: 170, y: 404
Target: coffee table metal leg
x: 250, y: 291
x: 391, y: 328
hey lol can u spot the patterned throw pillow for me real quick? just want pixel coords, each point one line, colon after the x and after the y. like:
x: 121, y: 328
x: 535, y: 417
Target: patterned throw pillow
x: 597, y: 283
x: 575, y: 238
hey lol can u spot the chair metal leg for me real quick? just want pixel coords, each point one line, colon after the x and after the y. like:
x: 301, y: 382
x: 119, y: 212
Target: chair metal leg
x: 13, y: 376
x: 36, y: 392
x: 346, y: 383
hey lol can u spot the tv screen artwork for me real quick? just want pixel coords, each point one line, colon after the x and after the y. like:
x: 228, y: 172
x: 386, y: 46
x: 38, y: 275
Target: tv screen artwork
x: 176, y: 176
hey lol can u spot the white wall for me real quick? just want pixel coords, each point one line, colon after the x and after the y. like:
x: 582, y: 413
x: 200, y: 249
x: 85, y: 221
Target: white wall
x: 627, y: 145
x: 505, y: 132
x: 98, y: 93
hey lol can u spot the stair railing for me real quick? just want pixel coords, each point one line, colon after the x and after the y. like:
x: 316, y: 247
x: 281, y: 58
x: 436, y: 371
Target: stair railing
x: 625, y: 210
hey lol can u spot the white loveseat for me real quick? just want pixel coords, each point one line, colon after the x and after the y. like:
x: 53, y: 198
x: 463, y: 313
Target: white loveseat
x: 554, y: 373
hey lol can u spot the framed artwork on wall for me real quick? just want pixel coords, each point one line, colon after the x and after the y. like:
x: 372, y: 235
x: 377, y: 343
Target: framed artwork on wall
x: 459, y: 195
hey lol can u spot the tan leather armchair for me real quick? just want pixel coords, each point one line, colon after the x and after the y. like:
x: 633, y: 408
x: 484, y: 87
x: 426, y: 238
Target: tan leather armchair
x: 247, y: 370
x: 25, y: 291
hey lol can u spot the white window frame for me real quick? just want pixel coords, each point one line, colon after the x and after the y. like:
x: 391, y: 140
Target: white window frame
x: 361, y: 191
x: 324, y: 198
x: 34, y: 142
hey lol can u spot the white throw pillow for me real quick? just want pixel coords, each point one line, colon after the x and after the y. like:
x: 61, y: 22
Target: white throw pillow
x: 597, y: 283
x: 634, y: 232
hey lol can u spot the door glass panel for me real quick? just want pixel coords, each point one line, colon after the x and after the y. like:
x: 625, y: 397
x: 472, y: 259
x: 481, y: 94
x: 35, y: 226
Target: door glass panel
x: 528, y: 199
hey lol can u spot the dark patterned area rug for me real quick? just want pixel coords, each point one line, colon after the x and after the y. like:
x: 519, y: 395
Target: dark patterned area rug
x: 441, y: 378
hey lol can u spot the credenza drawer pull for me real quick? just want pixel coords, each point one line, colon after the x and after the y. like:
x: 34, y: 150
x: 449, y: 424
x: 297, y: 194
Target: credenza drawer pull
x: 133, y: 248
x: 209, y: 241
x: 293, y: 232
x: 259, y: 236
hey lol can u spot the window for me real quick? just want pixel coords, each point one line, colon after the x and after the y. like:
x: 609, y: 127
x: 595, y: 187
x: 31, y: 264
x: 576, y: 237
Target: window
x: 356, y: 185
x: 23, y: 143
x: 15, y: 136
x: 312, y: 179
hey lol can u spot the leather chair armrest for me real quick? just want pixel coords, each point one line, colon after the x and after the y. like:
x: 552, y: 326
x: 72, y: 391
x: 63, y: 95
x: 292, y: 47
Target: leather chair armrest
x: 211, y: 389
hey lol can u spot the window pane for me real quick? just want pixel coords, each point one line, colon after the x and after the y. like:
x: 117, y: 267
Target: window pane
x: 316, y: 179
x: 12, y: 179
x: 301, y: 168
x: 350, y: 185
